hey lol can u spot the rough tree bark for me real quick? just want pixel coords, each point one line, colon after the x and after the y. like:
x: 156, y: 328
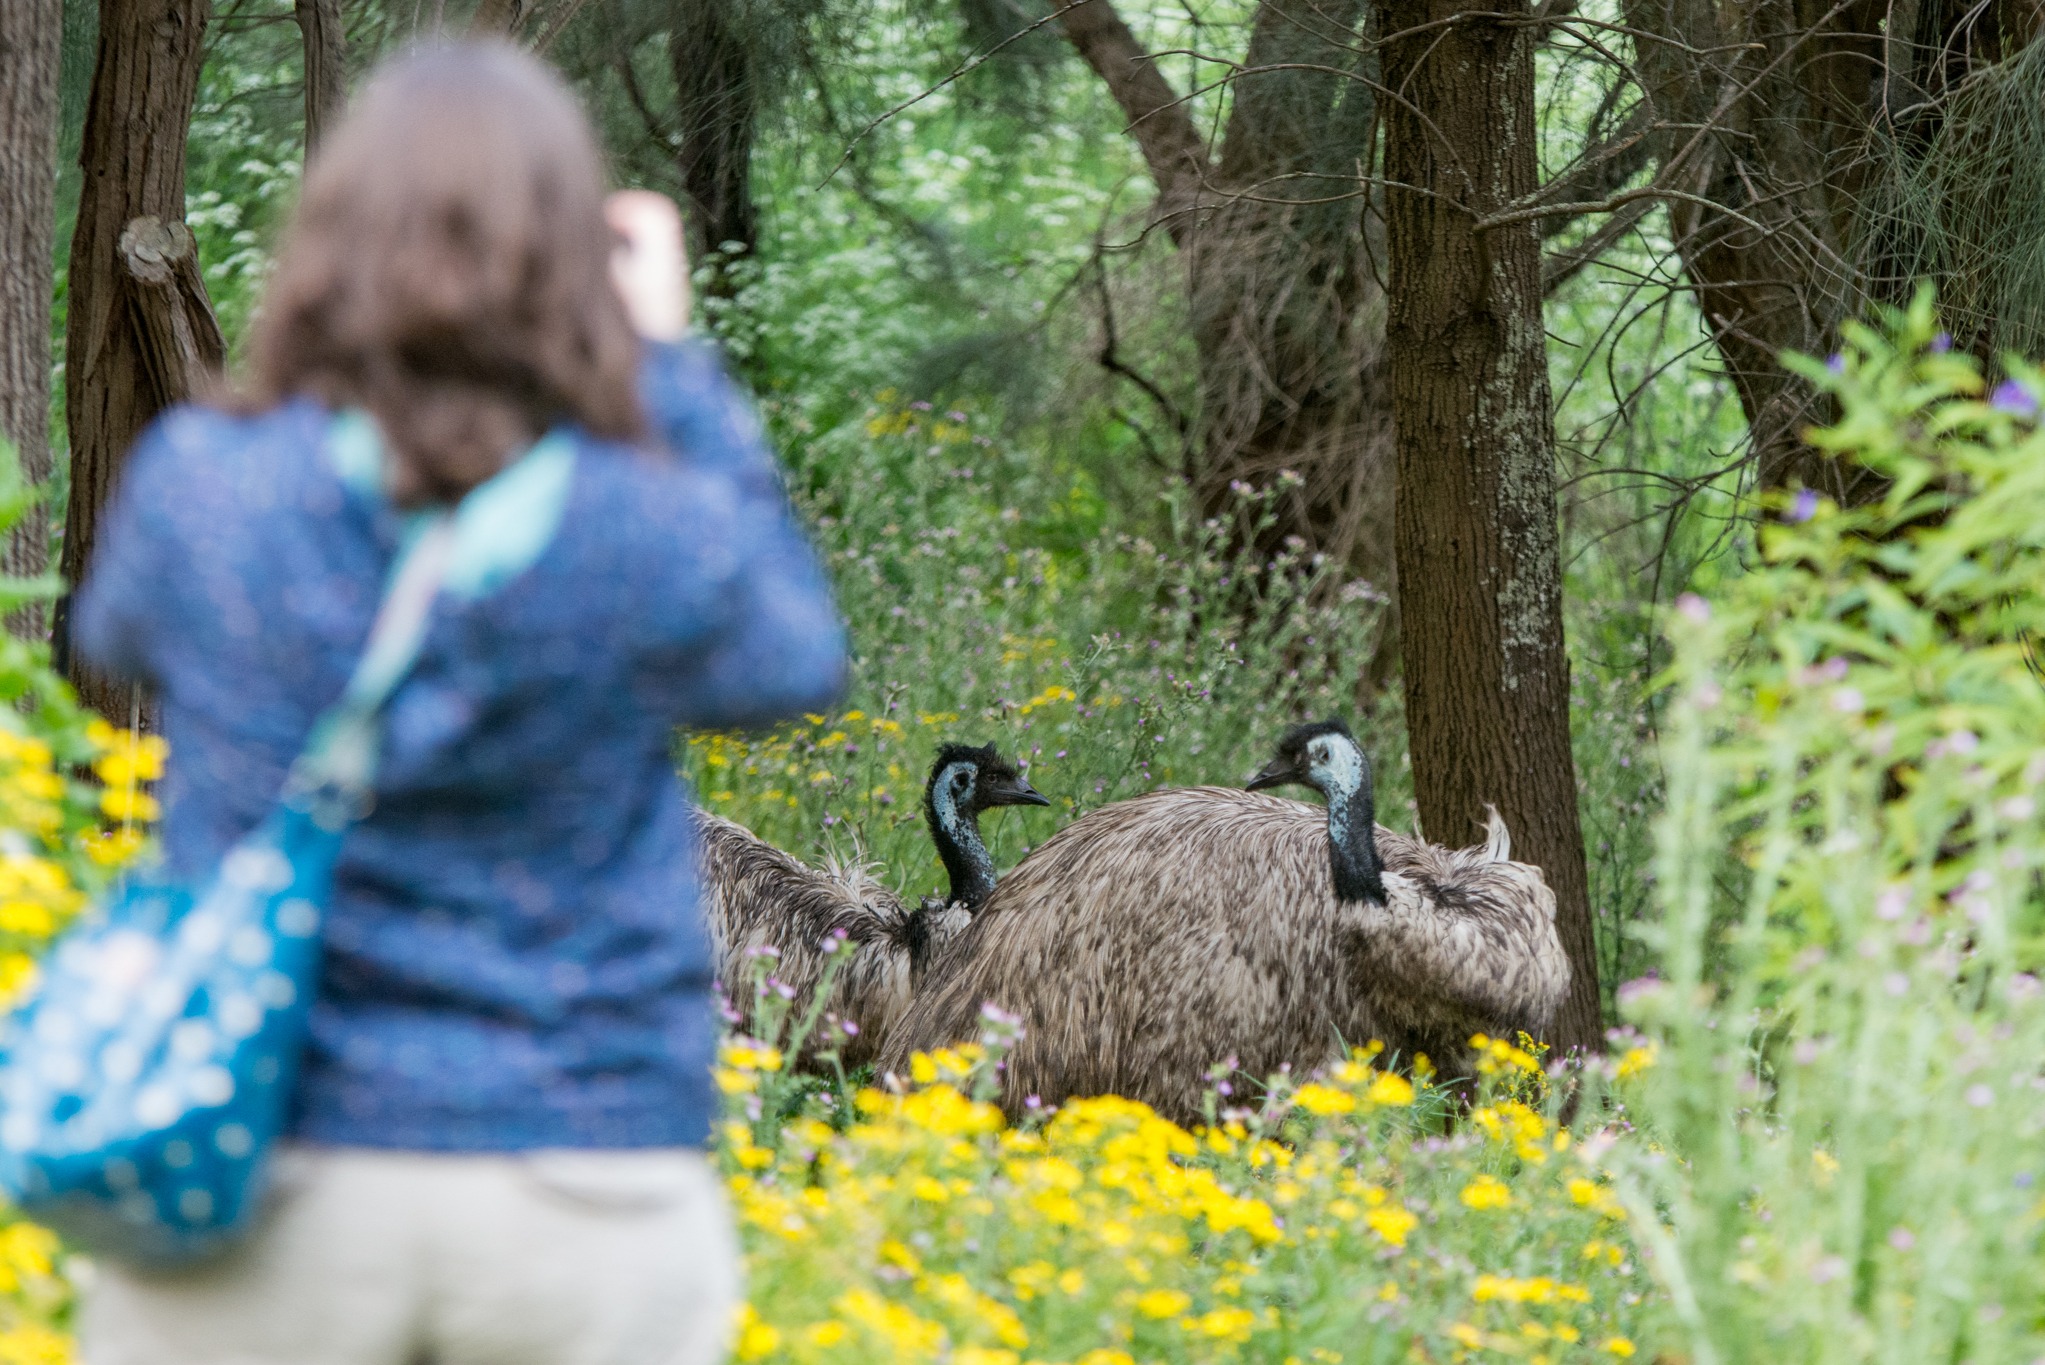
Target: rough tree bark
x: 1480, y: 575
x: 498, y: 18
x: 31, y: 34
x: 144, y: 83
x: 717, y: 109
x: 1779, y: 119
x: 1752, y: 136
x: 1286, y: 318
x: 177, y: 335
x: 326, y: 65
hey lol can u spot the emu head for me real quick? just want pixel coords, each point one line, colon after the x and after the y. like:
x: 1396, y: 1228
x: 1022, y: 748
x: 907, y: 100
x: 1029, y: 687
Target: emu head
x: 965, y: 781
x: 1322, y: 755
x: 969, y: 781
x: 1325, y: 756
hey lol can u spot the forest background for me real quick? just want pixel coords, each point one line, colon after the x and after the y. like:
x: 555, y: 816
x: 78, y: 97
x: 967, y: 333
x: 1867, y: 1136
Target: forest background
x: 1146, y: 517
x: 1155, y: 375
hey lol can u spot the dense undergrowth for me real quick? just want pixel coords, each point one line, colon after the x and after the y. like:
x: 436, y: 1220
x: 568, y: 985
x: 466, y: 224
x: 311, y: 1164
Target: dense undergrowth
x: 1333, y: 1221
x: 990, y: 600
x: 1829, y: 1144
x: 1826, y: 948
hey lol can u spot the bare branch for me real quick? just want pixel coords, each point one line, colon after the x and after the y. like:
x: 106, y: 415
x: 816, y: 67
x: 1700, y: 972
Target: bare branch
x: 1172, y: 147
x: 1562, y: 266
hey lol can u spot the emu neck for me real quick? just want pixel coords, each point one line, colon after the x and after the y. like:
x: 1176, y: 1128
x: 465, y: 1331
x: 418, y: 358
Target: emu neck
x: 1353, y: 844
x: 956, y: 833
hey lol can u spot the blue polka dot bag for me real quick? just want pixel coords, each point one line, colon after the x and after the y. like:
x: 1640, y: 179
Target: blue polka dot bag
x: 147, y: 1075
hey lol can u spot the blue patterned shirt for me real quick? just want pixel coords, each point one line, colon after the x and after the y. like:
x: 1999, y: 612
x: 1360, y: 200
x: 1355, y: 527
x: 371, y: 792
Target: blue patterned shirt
x: 514, y: 953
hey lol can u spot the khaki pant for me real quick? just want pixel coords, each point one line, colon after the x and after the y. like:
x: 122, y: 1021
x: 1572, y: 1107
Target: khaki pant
x: 405, y: 1258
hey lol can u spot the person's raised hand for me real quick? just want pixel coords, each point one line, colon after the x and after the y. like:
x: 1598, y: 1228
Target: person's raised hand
x: 650, y: 267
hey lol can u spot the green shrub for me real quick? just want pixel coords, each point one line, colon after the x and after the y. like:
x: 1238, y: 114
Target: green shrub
x: 1849, y: 1019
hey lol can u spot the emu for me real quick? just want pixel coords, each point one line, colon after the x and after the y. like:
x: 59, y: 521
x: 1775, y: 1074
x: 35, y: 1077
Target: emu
x: 757, y: 897
x: 1156, y: 939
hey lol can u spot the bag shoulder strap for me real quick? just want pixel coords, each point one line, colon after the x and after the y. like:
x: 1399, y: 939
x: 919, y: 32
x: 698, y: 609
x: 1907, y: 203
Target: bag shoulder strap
x: 496, y: 532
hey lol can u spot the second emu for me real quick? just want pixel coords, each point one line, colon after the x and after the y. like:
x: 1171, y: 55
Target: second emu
x: 762, y: 901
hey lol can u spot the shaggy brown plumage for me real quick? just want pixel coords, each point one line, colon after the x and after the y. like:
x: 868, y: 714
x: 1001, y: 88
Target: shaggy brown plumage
x: 1156, y: 938
x: 763, y: 903
x: 760, y: 902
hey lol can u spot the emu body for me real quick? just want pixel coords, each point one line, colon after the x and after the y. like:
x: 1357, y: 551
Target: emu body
x: 1158, y: 938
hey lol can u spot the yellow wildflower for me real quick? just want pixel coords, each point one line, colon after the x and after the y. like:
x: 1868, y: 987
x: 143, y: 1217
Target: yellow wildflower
x: 756, y: 1339
x: 1389, y: 1089
x: 747, y: 1057
x: 1163, y: 1303
x: 26, y: 917
x: 1392, y: 1222
x: 1323, y: 1100
x: 1539, y: 1289
x: 1224, y: 1324
x: 1486, y: 1192
x: 127, y: 804
x: 112, y: 848
x: 982, y: 1355
x: 32, y: 1344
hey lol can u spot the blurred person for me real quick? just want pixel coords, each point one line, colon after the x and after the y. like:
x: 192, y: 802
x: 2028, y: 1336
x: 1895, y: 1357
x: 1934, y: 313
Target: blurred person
x: 496, y: 1151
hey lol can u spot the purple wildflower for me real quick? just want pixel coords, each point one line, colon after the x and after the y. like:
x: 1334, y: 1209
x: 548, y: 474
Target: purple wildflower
x: 1837, y: 363
x: 2014, y: 398
x: 1942, y: 343
x: 1805, y: 507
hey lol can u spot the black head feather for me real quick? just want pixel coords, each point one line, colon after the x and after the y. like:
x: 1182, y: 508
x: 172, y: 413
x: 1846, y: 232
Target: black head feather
x: 1289, y: 764
x: 987, y: 759
x: 1293, y: 742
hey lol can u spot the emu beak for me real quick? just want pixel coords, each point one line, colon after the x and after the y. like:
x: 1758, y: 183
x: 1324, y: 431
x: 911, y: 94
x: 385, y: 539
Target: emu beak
x: 1017, y: 793
x: 1278, y: 772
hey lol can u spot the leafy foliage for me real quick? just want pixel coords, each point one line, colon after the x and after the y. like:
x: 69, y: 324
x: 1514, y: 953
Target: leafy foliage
x: 1850, y: 1017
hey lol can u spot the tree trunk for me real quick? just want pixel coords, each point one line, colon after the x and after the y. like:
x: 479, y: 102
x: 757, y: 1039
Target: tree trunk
x: 1785, y: 123
x: 144, y: 83
x: 498, y: 18
x: 1173, y: 149
x: 326, y: 65
x: 1761, y: 145
x: 31, y: 37
x: 1480, y: 575
x: 1286, y: 320
x: 717, y: 107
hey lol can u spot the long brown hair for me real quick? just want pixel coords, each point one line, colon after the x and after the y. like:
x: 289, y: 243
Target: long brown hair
x: 447, y: 269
